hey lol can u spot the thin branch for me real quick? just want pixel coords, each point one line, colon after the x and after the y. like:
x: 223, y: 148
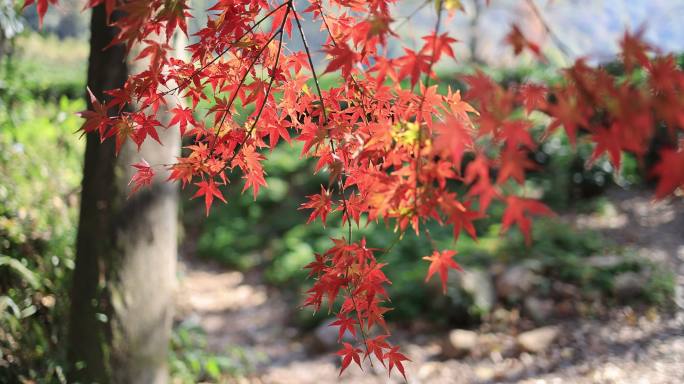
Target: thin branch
x: 564, y: 48
x: 226, y: 110
x: 230, y: 46
x: 261, y: 108
x: 332, y: 39
x: 311, y: 64
x: 419, y: 143
x: 340, y: 183
x: 412, y: 14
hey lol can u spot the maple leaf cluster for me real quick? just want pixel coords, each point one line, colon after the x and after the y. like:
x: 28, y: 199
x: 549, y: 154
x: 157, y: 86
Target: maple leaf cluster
x: 618, y: 114
x: 349, y: 272
x: 392, y: 151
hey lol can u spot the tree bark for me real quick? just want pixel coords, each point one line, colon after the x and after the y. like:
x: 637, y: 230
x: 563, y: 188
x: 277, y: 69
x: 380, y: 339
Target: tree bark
x: 124, y: 276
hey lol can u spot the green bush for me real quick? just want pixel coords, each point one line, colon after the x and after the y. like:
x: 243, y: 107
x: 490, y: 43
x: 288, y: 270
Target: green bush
x: 40, y: 169
x: 190, y: 362
x: 246, y: 233
x: 563, y: 254
x: 44, y: 68
x: 40, y: 165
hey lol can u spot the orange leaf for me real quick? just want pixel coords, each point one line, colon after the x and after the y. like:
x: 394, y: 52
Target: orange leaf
x: 440, y: 262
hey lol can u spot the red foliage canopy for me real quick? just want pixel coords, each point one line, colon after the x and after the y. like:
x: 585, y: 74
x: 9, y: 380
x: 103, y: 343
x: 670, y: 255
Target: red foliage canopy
x: 392, y: 144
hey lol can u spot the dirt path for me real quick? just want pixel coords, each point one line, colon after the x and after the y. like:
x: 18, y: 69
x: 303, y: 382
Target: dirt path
x: 655, y: 229
x: 235, y: 309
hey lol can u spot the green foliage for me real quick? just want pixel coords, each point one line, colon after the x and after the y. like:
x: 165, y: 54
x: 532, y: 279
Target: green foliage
x: 44, y: 68
x: 564, y: 254
x: 40, y: 169
x: 660, y: 286
x: 40, y: 160
x: 553, y: 240
x: 190, y: 361
x: 245, y: 234
x: 566, y: 178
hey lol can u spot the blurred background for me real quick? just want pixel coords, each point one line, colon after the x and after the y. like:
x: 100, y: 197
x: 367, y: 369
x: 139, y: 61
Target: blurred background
x: 596, y: 298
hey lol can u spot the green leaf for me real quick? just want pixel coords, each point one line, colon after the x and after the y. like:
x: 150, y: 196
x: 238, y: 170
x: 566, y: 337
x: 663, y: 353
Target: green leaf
x: 213, y: 369
x: 21, y: 270
x: 5, y: 302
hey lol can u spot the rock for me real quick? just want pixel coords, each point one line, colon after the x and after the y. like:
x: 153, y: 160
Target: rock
x: 478, y: 284
x: 508, y: 370
x: 429, y: 370
x: 565, y: 290
x: 502, y: 317
x: 605, y: 261
x: 566, y: 308
x: 459, y: 343
x: 515, y: 282
x: 470, y: 295
x: 539, y: 309
x: 485, y: 372
x: 537, y: 340
x: 628, y: 284
x: 325, y: 336
x: 496, y: 346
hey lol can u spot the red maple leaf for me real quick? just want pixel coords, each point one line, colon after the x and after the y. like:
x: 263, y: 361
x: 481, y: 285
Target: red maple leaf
x: 413, y: 64
x: 438, y: 45
x: 395, y: 358
x: 181, y: 116
x: 346, y: 324
x: 606, y: 141
x: 376, y: 346
x: 250, y: 163
x: 384, y: 67
x: 519, y: 42
x: 342, y: 57
x: 440, y: 262
x: 517, y: 211
x: 453, y: 138
x: 670, y: 170
x: 568, y: 113
x: 533, y: 96
x: 349, y: 353
x: 459, y: 107
x: 477, y: 174
x: 320, y: 203
x: 96, y: 119
x: 634, y: 49
x: 513, y: 164
x: 41, y: 8
x: 209, y: 190
x: 516, y: 133
x: 142, y: 177
x: 460, y: 216
x: 318, y: 266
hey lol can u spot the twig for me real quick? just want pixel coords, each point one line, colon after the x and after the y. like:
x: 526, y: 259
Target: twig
x: 420, y: 110
x: 213, y: 60
x: 413, y: 13
x: 564, y: 48
x: 332, y: 39
x: 261, y: 109
x: 226, y: 110
x: 340, y: 182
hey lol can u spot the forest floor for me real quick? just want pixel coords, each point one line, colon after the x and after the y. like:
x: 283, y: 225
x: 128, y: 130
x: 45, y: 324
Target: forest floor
x: 624, y: 346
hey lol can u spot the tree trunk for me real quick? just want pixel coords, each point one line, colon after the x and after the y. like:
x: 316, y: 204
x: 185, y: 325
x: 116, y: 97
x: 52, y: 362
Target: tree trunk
x: 124, y: 277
